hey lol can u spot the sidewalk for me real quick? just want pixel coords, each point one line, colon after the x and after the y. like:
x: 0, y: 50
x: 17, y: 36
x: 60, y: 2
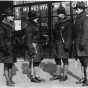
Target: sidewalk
x: 47, y: 68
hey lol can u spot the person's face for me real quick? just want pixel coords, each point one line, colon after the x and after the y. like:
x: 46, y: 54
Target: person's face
x: 61, y: 15
x: 78, y: 11
x: 10, y: 18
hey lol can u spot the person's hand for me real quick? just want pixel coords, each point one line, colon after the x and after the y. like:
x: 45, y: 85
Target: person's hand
x: 81, y: 47
x: 67, y: 50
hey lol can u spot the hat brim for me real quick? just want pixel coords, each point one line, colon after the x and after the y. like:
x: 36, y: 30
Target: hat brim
x: 6, y: 15
x: 80, y: 7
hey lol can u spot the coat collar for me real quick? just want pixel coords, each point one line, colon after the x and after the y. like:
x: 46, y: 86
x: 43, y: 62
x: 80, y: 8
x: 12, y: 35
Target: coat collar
x: 81, y: 14
x: 63, y: 20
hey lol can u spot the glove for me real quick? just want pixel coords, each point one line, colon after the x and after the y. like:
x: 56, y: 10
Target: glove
x: 67, y: 50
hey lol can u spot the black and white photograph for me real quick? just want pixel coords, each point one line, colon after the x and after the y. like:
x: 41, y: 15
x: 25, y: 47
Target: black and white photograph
x: 43, y: 44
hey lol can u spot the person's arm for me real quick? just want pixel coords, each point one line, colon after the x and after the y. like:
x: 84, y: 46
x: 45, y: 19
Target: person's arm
x: 84, y: 35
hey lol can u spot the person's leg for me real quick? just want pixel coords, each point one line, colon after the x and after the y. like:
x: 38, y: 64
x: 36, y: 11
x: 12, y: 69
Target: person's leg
x: 84, y: 63
x: 7, y: 73
x: 36, y: 69
x: 10, y: 72
x: 34, y: 72
x: 58, y: 65
x: 65, y: 69
x: 34, y: 64
x: 57, y: 75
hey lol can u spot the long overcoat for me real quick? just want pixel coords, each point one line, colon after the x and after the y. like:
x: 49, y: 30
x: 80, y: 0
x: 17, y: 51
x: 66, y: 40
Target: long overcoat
x: 63, y: 38
x: 31, y: 36
x: 81, y: 34
x: 6, y: 55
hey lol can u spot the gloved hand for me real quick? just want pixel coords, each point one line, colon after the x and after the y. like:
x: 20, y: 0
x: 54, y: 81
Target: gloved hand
x: 67, y: 50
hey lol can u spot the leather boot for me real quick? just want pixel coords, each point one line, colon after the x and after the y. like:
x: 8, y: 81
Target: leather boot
x: 9, y: 83
x: 57, y: 75
x: 36, y: 73
x: 33, y: 79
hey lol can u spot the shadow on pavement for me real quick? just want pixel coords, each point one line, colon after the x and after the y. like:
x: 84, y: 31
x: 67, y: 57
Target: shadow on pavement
x: 51, y: 69
x: 48, y: 67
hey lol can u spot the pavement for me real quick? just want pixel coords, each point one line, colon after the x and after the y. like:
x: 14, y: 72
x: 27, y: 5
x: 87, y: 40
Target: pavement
x: 47, y: 68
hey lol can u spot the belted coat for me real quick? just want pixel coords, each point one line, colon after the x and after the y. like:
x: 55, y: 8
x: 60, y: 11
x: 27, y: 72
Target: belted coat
x: 63, y: 37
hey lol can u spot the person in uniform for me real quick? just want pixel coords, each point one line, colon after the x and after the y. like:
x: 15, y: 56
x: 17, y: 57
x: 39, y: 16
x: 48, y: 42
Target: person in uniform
x: 81, y: 37
x: 62, y: 37
x: 7, y: 26
x: 34, y: 39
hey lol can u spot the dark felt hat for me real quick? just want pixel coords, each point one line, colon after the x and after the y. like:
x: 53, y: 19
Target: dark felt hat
x: 61, y: 10
x: 80, y: 5
x: 7, y: 12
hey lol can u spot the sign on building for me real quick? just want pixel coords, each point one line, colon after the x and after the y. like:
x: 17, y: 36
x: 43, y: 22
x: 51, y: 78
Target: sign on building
x: 17, y: 25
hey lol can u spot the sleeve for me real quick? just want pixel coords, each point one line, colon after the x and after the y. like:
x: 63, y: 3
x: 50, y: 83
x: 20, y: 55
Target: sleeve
x: 84, y: 38
x: 68, y: 37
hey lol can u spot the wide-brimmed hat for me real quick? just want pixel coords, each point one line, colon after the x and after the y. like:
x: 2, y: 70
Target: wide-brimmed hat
x: 6, y: 8
x: 7, y: 12
x: 80, y: 5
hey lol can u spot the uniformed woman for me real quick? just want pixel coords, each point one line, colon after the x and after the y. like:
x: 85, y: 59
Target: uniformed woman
x: 6, y: 28
x: 62, y: 37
